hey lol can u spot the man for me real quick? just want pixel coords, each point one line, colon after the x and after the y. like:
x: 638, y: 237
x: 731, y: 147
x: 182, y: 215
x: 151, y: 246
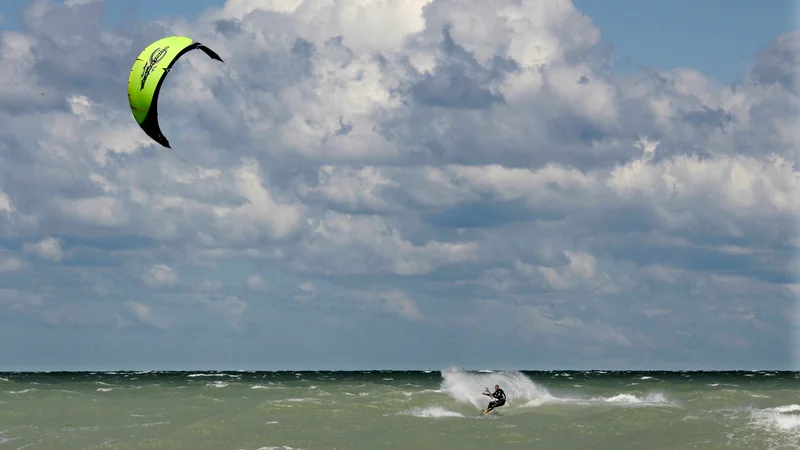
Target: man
x: 500, y: 397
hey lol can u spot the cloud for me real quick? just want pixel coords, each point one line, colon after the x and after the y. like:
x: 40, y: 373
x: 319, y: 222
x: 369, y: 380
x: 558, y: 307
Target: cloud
x: 160, y: 275
x: 400, y: 304
x: 48, y: 248
x: 5, y: 203
x: 256, y: 284
x: 408, y: 167
x: 349, y: 244
x: 143, y: 314
x: 777, y: 63
x: 11, y: 264
x: 307, y: 291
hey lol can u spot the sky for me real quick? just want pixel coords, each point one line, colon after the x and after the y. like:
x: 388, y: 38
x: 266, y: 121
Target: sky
x: 402, y: 185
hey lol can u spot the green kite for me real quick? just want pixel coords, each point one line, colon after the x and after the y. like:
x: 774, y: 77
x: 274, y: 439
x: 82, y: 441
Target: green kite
x: 147, y: 74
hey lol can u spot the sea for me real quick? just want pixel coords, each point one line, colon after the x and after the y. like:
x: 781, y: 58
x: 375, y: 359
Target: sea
x: 399, y: 410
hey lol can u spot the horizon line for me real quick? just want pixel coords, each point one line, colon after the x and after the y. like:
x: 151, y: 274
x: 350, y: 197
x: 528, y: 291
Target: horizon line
x: 486, y: 370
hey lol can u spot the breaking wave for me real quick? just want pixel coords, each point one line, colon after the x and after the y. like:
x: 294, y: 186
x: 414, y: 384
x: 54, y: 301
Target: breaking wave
x: 782, y: 421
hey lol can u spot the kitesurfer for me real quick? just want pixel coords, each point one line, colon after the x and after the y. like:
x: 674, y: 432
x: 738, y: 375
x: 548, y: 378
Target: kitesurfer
x: 499, y: 398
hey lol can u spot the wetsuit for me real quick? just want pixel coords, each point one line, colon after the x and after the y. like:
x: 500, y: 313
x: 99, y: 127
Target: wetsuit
x: 500, y: 397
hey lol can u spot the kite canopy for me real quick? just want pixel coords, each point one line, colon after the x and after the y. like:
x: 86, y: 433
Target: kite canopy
x: 147, y: 74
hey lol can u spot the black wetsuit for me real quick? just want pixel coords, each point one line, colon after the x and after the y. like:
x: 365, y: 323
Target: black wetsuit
x: 500, y: 397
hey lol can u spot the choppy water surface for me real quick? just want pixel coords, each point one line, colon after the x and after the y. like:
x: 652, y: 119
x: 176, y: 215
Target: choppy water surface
x: 389, y: 409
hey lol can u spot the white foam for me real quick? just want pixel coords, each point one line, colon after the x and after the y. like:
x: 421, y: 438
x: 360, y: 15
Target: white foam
x: 24, y: 391
x: 783, y: 420
x: 432, y: 411
x: 787, y: 409
x: 3, y: 439
x: 296, y: 400
x: 651, y: 399
x: 138, y: 425
x: 424, y: 391
x: 105, y: 389
x: 284, y: 447
x: 218, y: 384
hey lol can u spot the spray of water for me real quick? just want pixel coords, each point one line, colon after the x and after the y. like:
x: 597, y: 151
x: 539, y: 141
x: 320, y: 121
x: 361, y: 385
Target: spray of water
x: 467, y: 387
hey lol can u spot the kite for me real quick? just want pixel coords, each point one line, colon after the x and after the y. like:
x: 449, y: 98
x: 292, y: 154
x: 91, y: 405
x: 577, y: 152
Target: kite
x: 147, y: 74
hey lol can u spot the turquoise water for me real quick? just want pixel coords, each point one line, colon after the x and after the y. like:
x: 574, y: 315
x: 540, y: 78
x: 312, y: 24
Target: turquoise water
x: 390, y: 409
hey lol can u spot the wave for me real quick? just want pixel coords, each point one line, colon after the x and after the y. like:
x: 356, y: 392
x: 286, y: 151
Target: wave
x: 302, y: 400
x: 195, y: 375
x: 653, y: 399
x: 24, y: 391
x: 432, y: 411
x: 4, y: 439
x: 140, y: 425
x: 785, y: 419
x: 283, y: 447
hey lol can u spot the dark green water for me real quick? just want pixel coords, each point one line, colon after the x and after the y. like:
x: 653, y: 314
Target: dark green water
x: 390, y: 409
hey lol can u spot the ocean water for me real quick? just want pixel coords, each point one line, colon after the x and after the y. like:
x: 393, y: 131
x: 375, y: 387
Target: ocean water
x: 402, y: 410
